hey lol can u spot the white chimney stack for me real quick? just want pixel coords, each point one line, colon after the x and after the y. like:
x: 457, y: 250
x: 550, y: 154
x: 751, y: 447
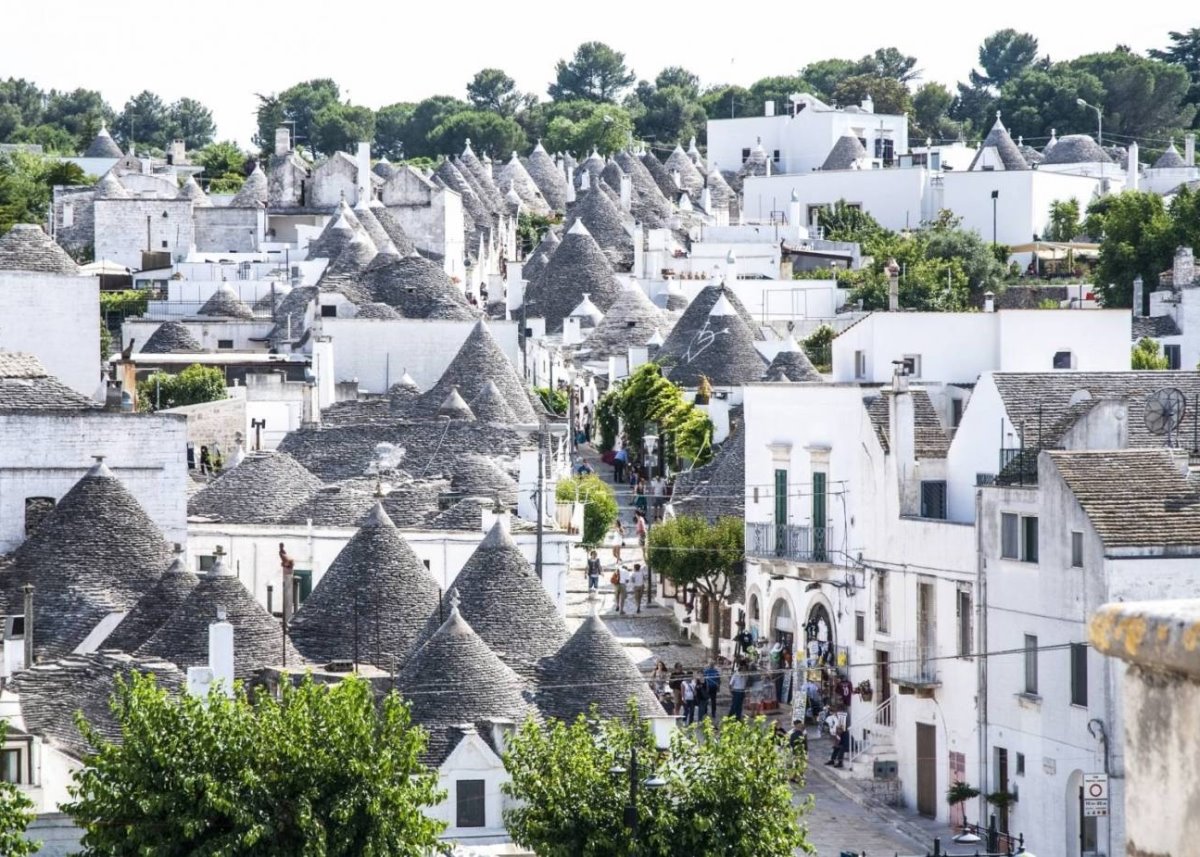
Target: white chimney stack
x: 364, y: 173
x: 794, y: 210
x: 283, y: 140
x: 989, y: 301
x: 626, y: 193
x: 730, y: 267
x: 220, y: 652
x: 893, y: 272
x: 585, y: 180
x: 1132, y: 174
x: 769, y: 108
x: 1189, y: 149
x: 570, y: 183
x: 868, y: 104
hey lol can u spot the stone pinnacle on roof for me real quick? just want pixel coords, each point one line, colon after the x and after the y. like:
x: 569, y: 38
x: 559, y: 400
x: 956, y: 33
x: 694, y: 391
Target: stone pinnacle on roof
x: 192, y: 190
x: 254, y: 191
x: 103, y: 145
x: 606, y: 224
x: 225, y: 303
x: 26, y: 247
x: 373, y: 604
x: 577, y: 267
x: 454, y: 407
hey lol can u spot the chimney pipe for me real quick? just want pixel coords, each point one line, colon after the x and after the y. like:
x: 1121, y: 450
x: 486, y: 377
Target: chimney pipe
x: 1189, y: 149
x: 893, y: 272
x: 364, y: 174
x: 28, y: 589
x: 1132, y: 174
x: 626, y: 193
x: 220, y: 652
x: 989, y: 301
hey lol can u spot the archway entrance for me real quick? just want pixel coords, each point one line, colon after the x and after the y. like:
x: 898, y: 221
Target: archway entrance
x: 783, y: 628
x: 819, y: 636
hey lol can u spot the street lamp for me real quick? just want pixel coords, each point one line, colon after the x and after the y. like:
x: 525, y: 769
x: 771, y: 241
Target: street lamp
x: 995, y: 196
x: 654, y: 783
x: 1099, y: 133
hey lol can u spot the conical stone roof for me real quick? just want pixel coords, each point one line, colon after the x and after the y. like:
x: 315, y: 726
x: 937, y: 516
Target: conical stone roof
x: 693, y: 320
x: 97, y: 553
x: 455, y: 679
x: 480, y: 476
x: 373, y: 604
x: 225, y: 303
x: 483, y: 177
x: 792, y: 364
x: 377, y: 311
x: 629, y: 322
x: 649, y: 206
x: 262, y: 489
x: 662, y: 178
x: 514, y: 176
x: 506, y: 604
x: 371, y: 225
x: 548, y: 178
x: 257, y: 635
x: 26, y: 247
x: 846, y: 152
x: 154, y: 608
x: 1000, y: 140
x: 490, y: 406
x: 757, y: 164
x: 478, y: 361
x: 103, y: 145
x: 404, y: 244
x: 690, y: 178
x: 592, y: 668
x: 722, y: 351
x: 453, y: 407
x: 334, y: 238
x: 110, y: 187
x: 1170, y: 159
x: 192, y: 190
x: 171, y: 336
x: 254, y: 192
x: 418, y: 288
x: 606, y: 224
x: 577, y: 267
x: 535, y: 264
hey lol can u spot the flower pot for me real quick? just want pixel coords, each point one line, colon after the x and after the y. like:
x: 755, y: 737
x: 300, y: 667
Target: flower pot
x: 868, y: 695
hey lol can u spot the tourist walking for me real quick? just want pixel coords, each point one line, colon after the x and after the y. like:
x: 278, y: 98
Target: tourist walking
x: 638, y: 578
x: 737, y: 690
x: 619, y: 462
x: 622, y: 576
x: 617, y: 537
x: 676, y: 684
x: 687, y: 689
x: 593, y: 571
x: 639, y: 526
x: 658, y: 678
x: 712, y: 682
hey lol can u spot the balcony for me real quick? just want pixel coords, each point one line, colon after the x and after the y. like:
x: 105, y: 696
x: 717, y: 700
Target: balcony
x: 914, y: 667
x: 767, y: 540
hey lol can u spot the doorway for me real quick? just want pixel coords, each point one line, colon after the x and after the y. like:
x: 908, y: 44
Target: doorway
x: 883, y: 679
x: 1002, y: 786
x: 927, y: 770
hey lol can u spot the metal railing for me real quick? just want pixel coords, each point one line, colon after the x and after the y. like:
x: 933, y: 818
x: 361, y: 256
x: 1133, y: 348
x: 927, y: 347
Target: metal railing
x: 915, y: 663
x: 768, y: 540
x: 880, y: 721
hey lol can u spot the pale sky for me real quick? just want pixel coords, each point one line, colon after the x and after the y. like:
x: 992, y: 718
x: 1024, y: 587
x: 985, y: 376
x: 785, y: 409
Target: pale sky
x: 222, y: 52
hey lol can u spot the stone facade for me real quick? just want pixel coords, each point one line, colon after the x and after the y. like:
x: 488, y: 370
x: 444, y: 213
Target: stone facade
x: 73, y: 219
x: 229, y: 230
x: 125, y: 228
x: 54, y: 318
x: 333, y: 180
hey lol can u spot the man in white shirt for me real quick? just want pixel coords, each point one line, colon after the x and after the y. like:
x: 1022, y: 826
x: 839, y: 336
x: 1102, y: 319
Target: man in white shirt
x: 626, y: 579
x: 638, y: 580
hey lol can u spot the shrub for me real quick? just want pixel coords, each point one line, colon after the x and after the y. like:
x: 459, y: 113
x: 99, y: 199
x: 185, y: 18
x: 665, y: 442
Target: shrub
x: 599, y: 504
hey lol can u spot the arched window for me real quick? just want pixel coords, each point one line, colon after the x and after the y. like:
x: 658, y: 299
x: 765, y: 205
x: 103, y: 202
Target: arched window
x: 754, y: 608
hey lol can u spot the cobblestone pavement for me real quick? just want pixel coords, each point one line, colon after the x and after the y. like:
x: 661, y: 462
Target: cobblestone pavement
x: 836, y: 823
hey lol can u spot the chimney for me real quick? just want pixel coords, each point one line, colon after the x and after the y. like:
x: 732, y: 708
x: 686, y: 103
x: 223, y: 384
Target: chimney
x: 28, y: 590
x: 289, y: 587
x: 177, y: 154
x: 868, y: 104
x: 1138, y: 296
x: 1132, y: 174
x: 572, y: 333
x: 308, y: 406
x: 585, y: 180
x: 730, y: 267
x: 1183, y: 270
x: 989, y: 301
x: 283, y: 140
x: 1189, y: 149
x: 570, y: 183
x: 893, y: 272
x: 626, y: 193
x: 677, y: 179
x: 902, y: 439
x: 769, y: 108
x: 794, y: 210
x: 364, y: 174
x: 706, y: 199
x: 220, y: 652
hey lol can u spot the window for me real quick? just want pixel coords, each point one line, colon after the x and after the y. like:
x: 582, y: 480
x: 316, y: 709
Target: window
x: 1079, y: 672
x: 1009, y: 527
x: 1076, y: 550
x: 912, y: 365
x: 775, y: 156
x: 814, y: 213
x: 860, y: 364
x: 1031, y: 665
x: 965, y: 619
x: 1029, y: 539
x: 164, y: 245
x: 1064, y: 360
x: 933, y: 499
x: 1174, y: 359
x: 781, y: 512
x: 1020, y: 764
x: 225, y: 343
x: 10, y: 766
x: 68, y: 218
x: 206, y: 563
x: 860, y: 627
x: 885, y: 149
x: 329, y: 311
x: 956, y: 412
x: 881, y: 602
x: 469, y: 804
x: 425, y: 562
x: 745, y: 155
x: 37, y: 509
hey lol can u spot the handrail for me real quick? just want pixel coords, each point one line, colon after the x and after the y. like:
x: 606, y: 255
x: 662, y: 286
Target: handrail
x: 881, y: 720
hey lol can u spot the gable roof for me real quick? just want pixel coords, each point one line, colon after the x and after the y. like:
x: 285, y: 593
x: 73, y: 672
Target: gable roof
x: 1008, y: 152
x: 590, y: 669
x: 257, y: 635
x: 170, y: 336
x: 846, y: 152
x: 479, y: 360
x: 606, y: 224
x: 1135, y: 498
x: 225, y: 303
x: 26, y: 247
x: 722, y: 350
x: 95, y: 554
x: 262, y: 489
x: 373, y: 604
x: 931, y: 440
x: 103, y: 145
x: 576, y: 267
x: 154, y: 608
x: 483, y: 688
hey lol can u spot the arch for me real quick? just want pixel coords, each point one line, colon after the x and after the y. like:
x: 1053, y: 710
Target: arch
x: 819, y: 626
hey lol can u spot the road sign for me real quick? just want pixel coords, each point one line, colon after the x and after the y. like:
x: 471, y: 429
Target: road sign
x: 1095, y: 795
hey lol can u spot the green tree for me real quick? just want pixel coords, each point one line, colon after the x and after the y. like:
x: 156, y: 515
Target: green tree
x: 824, y: 75
x: 322, y: 770
x: 80, y: 113
x: 843, y: 222
x: 1041, y: 99
x: 427, y: 115
x: 391, y: 128
x: 24, y: 189
x: 666, y: 114
x: 599, y: 504
x: 726, y: 796
x: 1185, y: 218
x: 595, y: 73
x: 16, y: 812
x: 340, y: 127
x: 1064, y: 220
x: 224, y: 166
x: 191, y: 122
x: 779, y: 89
x: 1135, y: 233
x: 1142, y: 97
x: 144, y: 122
x: 1147, y: 355
x: 689, y: 551
x: 1184, y: 51
x: 681, y: 78
x: 580, y: 126
x: 24, y: 99
x: 890, y: 95
x: 192, y: 386
x: 492, y: 89
x: 489, y: 132
x: 726, y: 101
x: 931, y: 112
x: 296, y: 107
x: 1004, y: 55
x: 889, y: 63
x: 818, y: 345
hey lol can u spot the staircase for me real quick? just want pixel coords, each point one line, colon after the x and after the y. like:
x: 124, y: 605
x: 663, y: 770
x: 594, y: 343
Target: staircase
x: 878, y: 745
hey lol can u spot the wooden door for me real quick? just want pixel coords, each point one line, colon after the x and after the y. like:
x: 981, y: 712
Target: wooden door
x: 926, y: 769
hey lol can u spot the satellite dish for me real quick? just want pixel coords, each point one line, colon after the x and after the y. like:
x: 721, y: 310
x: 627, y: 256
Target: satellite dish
x: 1164, y: 412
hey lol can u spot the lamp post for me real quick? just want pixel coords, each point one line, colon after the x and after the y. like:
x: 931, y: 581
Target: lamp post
x: 652, y: 783
x: 995, y: 197
x: 1099, y: 132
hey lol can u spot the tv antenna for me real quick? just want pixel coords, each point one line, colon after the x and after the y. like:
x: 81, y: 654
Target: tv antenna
x: 1164, y: 412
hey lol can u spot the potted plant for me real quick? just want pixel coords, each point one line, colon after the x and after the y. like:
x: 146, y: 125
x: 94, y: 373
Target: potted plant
x: 961, y: 792
x: 1002, y: 800
x: 704, y: 391
x: 865, y: 690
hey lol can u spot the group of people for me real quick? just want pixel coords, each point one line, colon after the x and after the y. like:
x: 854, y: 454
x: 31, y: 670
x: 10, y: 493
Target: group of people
x: 626, y: 580
x: 687, y: 694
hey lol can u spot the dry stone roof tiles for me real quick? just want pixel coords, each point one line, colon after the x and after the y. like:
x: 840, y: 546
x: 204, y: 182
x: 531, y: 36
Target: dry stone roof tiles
x: 930, y: 440
x: 846, y: 152
x: 792, y: 364
x: 479, y: 360
x: 695, y: 317
x: 343, y: 505
x: 170, y: 336
x: 374, y: 603
x: 466, y: 514
x: 483, y: 177
x: 336, y: 235
x: 606, y: 223
x: 264, y: 488
x: 384, y: 169
x: 662, y: 178
x: 722, y: 350
x: 590, y: 669
x: 377, y: 310
x: 192, y: 190
x: 489, y: 405
x: 535, y: 264
x: 757, y: 164
x: 548, y: 178
x: 690, y: 178
x: 253, y: 192
x: 1075, y: 149
x: 1008, y: 152
x: 225, y: 303
x: 648, y: 204
x: 51, y: 694
x: 26, y: 247
x: 629, y: 322
x: 484, y: 689
x: 418, y: 288
x: 404, y: 245
x: 97, y: 553
x: 258, y: 636
x: 453, y: 407
x: 577, y: 267
x: 480, y: 476
x: 371, y: 225
x: 515, y: 177
x: 103, y: 146
x: 153, y: 608
x: 1170, y: 159
x: 26, y: 385
x: 110, y: 187
x: 715, y: 494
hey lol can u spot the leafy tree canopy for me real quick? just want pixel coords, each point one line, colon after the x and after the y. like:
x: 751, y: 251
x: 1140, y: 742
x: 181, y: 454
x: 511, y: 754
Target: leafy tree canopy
x: 224, y: 166
x: 599, y: 504
x: 1004, y: 55
x: 1147, y: 355
x: 297, y: 107
x: 192, y: 386
x: 595, y: 73
x: 580, y: 126
x: 493, y: 133
x: 888, y: 94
